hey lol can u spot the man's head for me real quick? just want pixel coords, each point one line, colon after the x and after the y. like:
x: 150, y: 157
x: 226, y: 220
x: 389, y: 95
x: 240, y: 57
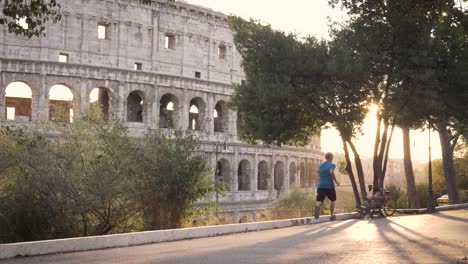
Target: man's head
x: 329, y: 156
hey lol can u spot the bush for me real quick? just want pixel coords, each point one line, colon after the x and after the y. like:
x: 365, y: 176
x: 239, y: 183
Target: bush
x: 94, y: 179
x: 297, y: 203
x: 399, y: 194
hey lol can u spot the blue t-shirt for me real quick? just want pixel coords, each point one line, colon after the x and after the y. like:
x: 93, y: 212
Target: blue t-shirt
x: 325, y: 178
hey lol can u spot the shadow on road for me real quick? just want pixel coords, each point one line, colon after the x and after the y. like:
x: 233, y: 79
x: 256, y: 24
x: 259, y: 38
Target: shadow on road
x: 451, y: 217
x: 400, y: 243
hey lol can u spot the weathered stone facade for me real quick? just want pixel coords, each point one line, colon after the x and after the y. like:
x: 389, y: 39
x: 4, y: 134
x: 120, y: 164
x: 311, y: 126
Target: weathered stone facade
x: 168, y: 64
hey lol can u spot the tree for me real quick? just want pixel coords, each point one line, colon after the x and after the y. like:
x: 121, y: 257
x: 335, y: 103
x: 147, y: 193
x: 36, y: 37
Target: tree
x: 293, y: 88
x: 449, y: 111
x: 171, y: 177
x: 36, y: 13
x: 395, y: 38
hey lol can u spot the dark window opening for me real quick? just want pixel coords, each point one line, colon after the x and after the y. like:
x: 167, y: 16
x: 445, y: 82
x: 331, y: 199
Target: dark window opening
x: 99, y: 98
x: 263, y: 176
x: 243, y: 176
x: 169, y: 41
x: 222, y: 52
x: 138, y: 66
x: 135, y: 107
x: 167, y: 111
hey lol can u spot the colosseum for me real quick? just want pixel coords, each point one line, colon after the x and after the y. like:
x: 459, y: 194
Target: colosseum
x: 168, y: 64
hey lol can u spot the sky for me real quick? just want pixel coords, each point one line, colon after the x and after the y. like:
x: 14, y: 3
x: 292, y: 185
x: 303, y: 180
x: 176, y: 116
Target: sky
x: 311, y: 17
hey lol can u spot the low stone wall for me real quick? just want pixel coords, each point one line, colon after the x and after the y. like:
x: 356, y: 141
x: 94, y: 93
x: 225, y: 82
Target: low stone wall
x: 148, y: 237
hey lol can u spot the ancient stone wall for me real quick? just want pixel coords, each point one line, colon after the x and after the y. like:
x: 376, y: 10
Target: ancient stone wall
x: 168, y: 65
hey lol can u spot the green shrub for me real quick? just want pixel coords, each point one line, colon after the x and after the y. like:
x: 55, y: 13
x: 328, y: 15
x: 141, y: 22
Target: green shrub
x: 399, y: 194
x: 297, y: 203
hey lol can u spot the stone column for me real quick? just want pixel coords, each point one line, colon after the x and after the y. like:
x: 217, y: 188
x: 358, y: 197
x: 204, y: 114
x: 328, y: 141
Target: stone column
x: 235, y: 180
x: 210, y: 115
x: 43, y: 98
x: 271, y: 181
x: 233, y: 123
x: 255, y: 173
x: 2, y: 96
x: 122, y: 102
x: 154, y: 122
x: 286, y: 176
x: 184, y: 109
x: 84, y: 94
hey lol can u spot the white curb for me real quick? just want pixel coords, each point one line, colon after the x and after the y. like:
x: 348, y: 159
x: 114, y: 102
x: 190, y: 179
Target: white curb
x: 148, y: 237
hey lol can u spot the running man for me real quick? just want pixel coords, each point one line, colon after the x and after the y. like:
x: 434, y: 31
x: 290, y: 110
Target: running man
x: 326, y: 186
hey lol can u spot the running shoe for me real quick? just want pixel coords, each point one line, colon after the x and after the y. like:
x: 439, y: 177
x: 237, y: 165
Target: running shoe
x: 317, y: 212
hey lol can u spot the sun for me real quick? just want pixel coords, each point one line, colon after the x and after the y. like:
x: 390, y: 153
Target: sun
x: 373, y: 108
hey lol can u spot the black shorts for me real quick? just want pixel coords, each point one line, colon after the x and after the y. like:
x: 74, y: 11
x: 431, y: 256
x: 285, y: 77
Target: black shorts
x: 322, y: 192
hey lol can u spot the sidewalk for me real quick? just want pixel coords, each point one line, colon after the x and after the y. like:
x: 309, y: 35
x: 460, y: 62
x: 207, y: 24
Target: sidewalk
x: 150, y: 237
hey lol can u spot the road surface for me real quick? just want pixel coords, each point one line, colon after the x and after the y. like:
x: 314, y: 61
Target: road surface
x: 438, y: 238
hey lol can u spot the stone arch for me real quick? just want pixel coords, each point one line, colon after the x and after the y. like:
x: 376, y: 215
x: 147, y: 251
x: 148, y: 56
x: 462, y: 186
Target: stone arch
x: 221, y: 117
x: 168, y: 111
x: 18, y: 101
x: 61, y: 103
x: 243, y: 175
x: 292, y: 173
x: 302, y: 174
x: 263, y: 175
x: 100, y: 98
x: 223, y: 174
x: 279, y: 176
x: 135, y: 108
x: 197, y: 114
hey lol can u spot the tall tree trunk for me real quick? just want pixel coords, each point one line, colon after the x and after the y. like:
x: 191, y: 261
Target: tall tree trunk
x: 447, y: 161
x: 349, y: 170
x: 385, y: 159
x: 413, y: 201
x: 357, y: 160
x: 375, y: 163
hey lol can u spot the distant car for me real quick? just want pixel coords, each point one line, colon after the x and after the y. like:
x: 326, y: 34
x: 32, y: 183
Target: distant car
x: 443, y: 200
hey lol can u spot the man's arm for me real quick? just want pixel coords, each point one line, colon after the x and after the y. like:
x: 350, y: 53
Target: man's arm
x: 332, y: 172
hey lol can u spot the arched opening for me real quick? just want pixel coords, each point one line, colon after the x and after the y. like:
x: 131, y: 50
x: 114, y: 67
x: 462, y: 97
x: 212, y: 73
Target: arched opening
x: 135, y: 107
x: 292, y: 173
x: 263, y: 175
x: 60, y: 104
x: 196, y: 114
x: 18, y: 100
x: 243, y: 175
x: 167, y: 111
x: 99, y: 98
x: 220, y: 117
x: 223, y: 174
x: 279, y: 176
x: 302, y: 174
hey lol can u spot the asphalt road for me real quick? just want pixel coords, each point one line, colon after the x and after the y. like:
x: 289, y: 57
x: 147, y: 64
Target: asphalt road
x: 438, y: 238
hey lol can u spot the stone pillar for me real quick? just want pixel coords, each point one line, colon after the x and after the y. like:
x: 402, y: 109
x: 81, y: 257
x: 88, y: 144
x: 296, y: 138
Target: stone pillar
x: 184, y: 109
x: 43, y: 98
x: 122, y: 102
x: 210, y: 115
x: 154, y: 122
x: 2, y: 96
x: 233, y: 123
x: 234, y: 166
x: 286, y: 176
x: 271, y: 181
x: 84, y: 91
x: 255, y: 173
